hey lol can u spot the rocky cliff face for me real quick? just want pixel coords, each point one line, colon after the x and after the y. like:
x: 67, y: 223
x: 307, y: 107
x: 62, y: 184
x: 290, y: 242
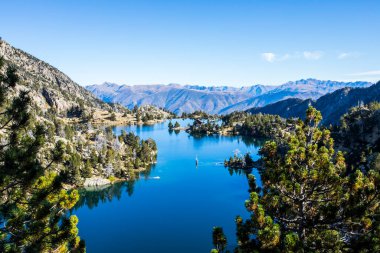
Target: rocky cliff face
x: 50, y: 87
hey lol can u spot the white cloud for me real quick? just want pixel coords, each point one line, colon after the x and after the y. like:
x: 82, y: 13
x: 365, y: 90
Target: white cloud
x: 312, y: 55
x: 308, y: 55
x: 269, y: 57
x: 343, y: 56
x: 347, y: 55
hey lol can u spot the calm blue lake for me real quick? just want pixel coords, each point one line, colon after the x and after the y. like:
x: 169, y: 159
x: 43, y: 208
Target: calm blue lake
x: 175, y: 206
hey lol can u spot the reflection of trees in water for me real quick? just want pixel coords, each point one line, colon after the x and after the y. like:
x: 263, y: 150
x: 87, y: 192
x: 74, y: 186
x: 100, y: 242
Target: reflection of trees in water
x: 237, y: 171
x: 146, y: 173
x: 246, y: 173
x: 256, y: 142
x: 200, y: 140
x: 93, y: 196
x: 171, y: 131
x: 248, y: 141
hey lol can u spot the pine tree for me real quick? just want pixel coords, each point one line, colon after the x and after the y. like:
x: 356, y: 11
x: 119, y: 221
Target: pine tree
x: 219, y: 239
x: 33, y: 204
x: 308, y: 202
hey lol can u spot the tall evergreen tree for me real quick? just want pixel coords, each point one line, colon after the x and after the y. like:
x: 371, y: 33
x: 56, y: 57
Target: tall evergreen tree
x: 308, y: 202
x: 219, y: 239
x: 33, y: 203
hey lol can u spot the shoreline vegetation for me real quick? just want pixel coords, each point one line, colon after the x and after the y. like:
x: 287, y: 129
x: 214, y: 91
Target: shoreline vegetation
x: 237, y: 124
x: 98, y: 156
x: 104, y: 158
x: 119, y: 115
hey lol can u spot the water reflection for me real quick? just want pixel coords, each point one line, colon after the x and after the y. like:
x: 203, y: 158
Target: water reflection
x: 236, y: 171
x: 93, y: 196
x: 252, y: 142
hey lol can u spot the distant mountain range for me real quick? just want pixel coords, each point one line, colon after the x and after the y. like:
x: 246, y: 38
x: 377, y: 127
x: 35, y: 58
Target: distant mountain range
x: 217, y: 100
x: 332, y: 105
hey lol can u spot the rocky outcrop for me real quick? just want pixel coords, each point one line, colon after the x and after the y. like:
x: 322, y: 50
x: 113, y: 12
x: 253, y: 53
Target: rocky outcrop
x: 49, y: 86
x: 96, y: 181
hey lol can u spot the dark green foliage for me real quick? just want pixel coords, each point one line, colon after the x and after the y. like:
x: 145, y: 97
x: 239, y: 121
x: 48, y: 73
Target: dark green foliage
x: 199, y: 115
x: 170, y: 125
x: 200, y: 128
x: 219, y: 239
x: 69, y: 132
x: 308, y: 202
x: 184, y: 115
x: 256, y: 125
x: 359, y: 135
x: 240, y: 162
x: 143, y: 152
x: 33, y: 202
x: 87, y: 170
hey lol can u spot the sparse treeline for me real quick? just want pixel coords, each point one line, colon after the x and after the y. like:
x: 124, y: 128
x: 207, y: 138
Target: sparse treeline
x: 148, y: 113
x: 312, y: 199
x: 113, y: 114
x: 199, y: 115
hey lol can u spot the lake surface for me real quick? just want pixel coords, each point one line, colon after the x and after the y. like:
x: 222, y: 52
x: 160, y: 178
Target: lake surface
x: 174, y: 207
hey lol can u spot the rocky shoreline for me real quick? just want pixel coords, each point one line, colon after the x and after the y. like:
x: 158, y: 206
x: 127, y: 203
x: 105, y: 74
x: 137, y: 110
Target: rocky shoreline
x: 96, y: 182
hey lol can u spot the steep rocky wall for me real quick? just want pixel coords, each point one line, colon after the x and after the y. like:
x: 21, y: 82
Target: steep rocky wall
x: 50, y: 87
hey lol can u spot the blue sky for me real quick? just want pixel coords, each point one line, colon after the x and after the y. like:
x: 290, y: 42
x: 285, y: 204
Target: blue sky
x: 234, y: 42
